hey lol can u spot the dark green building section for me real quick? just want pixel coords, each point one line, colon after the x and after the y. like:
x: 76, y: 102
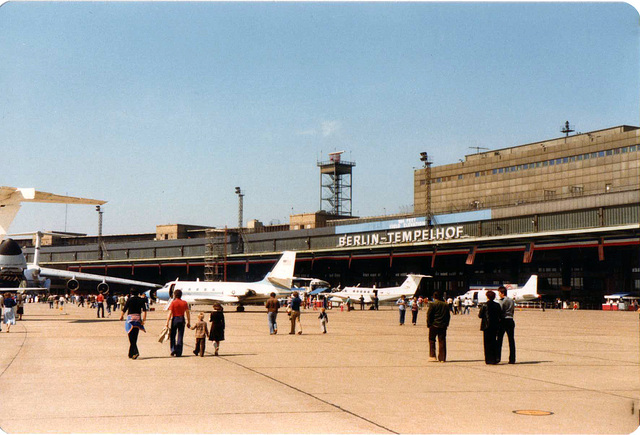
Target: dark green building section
x: 578, y: 255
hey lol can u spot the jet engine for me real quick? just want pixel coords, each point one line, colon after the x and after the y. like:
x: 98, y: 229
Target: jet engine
x: 73, y: 284
x: 103, y: 287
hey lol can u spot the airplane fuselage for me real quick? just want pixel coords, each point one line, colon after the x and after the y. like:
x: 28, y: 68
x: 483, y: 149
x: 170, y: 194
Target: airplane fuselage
x: 202, y: 292
x: 528, y: 292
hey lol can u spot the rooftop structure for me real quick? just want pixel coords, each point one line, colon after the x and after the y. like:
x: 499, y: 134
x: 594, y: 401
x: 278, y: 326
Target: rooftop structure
x: 335, y: 185
x: 586, y: 170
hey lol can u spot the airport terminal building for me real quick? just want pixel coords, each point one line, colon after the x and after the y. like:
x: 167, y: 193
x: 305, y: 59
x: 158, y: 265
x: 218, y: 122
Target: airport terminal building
x: 566, y: 209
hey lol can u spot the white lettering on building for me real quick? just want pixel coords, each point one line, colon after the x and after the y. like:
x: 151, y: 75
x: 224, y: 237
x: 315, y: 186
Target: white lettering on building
x: 408, y: 236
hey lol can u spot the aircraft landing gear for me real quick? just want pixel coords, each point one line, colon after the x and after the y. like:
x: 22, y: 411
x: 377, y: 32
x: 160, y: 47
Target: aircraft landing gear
x: 240, y: 308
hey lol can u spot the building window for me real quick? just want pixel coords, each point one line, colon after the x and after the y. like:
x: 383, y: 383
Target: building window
x: 460, y: 177
x: 609, y: 152
x: 607, y: 188
x: 576, y: 190
x: 549, y: 194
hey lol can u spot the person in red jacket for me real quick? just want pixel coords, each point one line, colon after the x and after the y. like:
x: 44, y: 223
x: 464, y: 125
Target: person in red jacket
x: 178, y: 312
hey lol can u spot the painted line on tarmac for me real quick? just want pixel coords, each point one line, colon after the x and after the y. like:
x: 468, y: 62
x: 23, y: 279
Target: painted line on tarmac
x: 310, y: 395
x: 24, y: 339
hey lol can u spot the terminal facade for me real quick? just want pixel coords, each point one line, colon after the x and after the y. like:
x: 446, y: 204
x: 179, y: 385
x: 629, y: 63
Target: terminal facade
x: 566, y: 209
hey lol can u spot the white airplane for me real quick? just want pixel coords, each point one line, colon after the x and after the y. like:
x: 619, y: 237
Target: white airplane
x: 278, y: 281
x: 13, y: 266
x: 408, y: 289
x: 528, y: 292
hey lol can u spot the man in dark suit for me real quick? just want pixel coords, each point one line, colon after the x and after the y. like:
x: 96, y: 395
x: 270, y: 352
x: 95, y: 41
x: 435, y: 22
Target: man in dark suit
x: 491, y: 315
x: 438, y: 317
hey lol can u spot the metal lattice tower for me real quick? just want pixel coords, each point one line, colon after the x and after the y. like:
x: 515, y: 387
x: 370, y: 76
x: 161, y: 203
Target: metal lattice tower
x: 424, y: 158
x: 335, y: 185
x: 215, y: 255
x: 240, y: 194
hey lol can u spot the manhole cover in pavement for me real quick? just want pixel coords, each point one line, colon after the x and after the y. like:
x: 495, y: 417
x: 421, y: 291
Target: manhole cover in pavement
x: 532, y: 412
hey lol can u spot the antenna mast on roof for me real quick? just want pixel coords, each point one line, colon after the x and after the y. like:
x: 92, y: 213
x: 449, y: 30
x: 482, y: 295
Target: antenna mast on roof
x: 566, y: 129
x: 478, y: 149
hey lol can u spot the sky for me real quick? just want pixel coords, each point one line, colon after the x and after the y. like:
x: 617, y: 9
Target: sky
x: 162, y: 109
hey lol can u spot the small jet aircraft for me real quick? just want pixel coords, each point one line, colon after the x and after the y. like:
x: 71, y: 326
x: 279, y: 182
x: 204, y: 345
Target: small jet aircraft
x: 528, y: 292
x: 278, y: 281
x: 408, y: 288
x: 13, y: 266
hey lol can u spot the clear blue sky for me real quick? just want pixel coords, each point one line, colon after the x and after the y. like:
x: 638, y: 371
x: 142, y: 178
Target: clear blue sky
x: 163, y: 108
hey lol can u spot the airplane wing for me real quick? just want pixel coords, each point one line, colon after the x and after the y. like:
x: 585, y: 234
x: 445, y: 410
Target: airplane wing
x: 12, y: 197
x: 57, y: 273
x: 336, y: 295
x: 22, y: 289
x: 17, y: 195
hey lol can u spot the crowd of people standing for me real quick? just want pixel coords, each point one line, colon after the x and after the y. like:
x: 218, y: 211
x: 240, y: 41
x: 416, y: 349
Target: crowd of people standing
x: 496, y: 319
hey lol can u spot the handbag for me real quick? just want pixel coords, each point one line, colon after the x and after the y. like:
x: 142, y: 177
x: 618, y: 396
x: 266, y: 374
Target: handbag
x: 164, y: 334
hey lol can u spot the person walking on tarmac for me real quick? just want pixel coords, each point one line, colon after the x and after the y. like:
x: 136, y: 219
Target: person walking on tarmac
x: 136, y: 316
x: 295, y: 313
x: 402, y: 308
x: 100, y: 304
x: 272, y: 306
x: 178, y: 311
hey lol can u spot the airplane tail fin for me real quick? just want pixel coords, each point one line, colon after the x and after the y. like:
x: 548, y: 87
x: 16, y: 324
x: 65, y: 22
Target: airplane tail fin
x: 12, y: 197
x: 530, y: 289
x: 411, y: 284
x: 282, y: 273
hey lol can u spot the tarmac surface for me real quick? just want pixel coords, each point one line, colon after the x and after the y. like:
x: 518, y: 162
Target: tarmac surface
x: 576, y: 372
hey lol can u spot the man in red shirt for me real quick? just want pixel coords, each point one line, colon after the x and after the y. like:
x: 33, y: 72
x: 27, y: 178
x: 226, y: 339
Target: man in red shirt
x: 100, y: 304
x: 178, y: 310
